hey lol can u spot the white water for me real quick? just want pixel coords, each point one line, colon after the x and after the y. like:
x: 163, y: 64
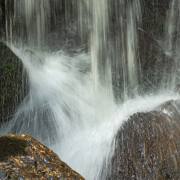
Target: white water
x: 90, y: 149
x: 70, y: 105
x: 172, y: 43
x: 31, y: 22
x: 85, y: 120
x: 133, y: 18
x: 127, y: 58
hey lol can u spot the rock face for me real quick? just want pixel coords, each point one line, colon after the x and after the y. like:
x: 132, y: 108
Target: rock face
x: 22, y: 157
x: 2, y: 17
x: 12, y: 83
x: 148, y: 146
x: 153, y: 59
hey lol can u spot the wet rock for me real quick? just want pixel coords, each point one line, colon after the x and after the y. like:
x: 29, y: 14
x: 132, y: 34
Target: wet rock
x: 148, y: 145
x: 12, y: 83
x: 154, y: 16
x: 2, y: 18
x: 23, y: 157
x: 155, y: 63
x: 177, y: 88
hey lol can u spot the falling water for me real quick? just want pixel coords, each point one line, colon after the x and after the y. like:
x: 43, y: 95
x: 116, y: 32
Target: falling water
x: 134, y: 16
x: 29, y: 21
x: 63, y: 112
x: 72, y: 101
x: 37, y: 18
x: 111, y: 56
x: 172, y: 41
x: 172, y: 27
x: 99, y: 49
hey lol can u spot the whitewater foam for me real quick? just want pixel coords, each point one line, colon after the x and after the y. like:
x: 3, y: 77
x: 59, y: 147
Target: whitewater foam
x: 85, y: 121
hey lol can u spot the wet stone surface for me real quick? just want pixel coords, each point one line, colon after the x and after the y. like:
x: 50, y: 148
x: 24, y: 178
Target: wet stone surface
x: 147, y: 147
x: 22, y: 157
x: 13, y: 83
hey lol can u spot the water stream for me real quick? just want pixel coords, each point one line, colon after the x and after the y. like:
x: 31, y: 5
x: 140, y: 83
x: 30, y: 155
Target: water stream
x: 72, y: 103
x: 64, y: 111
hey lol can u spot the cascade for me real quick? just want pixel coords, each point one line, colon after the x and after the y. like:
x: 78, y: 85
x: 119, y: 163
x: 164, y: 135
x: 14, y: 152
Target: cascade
x: 133, y: 18
x: 27, y: 21
x: 172, y: 41
x: 78, y: 98
x: 30, y: 22
x: 107, y: 52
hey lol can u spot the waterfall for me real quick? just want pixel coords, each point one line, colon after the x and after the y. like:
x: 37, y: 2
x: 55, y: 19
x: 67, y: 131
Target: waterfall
x: 172, y: 27
x: 133, y: 18
x: 99, y: 41
x: 98, y: 19
x: 27, y: 21
x: 80, y: 94
x: 172, y: 43
x: 63, y: 111
x: 30, y: 22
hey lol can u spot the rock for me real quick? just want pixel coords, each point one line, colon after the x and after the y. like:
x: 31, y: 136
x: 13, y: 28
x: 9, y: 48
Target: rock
x: 23, y: 157
x: 12, y: 83
x: 148, y: 146
x: 2, y: 18
x: 155, y: 63
x: 154, y: 16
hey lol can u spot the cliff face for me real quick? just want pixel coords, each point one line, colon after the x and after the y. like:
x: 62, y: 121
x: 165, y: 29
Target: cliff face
x: 23, y: 157
x: 12, y: 83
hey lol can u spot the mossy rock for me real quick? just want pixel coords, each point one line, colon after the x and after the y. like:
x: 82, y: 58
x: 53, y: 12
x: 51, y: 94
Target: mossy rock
x: 147, y: 146
x: 12, y: 83
x: 23, y: 157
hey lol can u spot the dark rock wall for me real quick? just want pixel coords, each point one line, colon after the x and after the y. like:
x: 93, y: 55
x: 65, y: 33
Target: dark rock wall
x: 61, y: 33
x: 64, y: 31
x: 13, y: 85
x: 153, y: 16
x: 154, y: 62
x: 2, y: 18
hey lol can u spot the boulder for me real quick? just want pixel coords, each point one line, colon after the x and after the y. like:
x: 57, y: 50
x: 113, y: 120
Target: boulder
x: 23, y: 157
x: 147, y: 146
x: 13, y: 86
